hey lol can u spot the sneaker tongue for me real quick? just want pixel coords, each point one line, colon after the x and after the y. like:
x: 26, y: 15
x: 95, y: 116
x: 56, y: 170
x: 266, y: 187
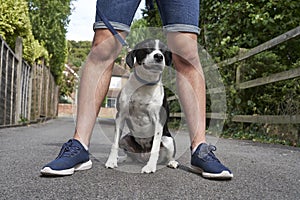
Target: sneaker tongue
x: 69, y: 148
x: 205, y: 149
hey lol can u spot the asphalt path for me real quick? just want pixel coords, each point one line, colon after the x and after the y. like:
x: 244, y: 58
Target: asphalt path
x: 261, y: 171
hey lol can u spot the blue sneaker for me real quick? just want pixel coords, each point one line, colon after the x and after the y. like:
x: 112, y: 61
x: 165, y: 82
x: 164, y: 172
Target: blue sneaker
x: 72, y: 157
x: 205, y: 162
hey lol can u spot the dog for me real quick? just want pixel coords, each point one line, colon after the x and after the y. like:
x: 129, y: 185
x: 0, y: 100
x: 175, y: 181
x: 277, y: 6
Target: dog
x: 142, y: 106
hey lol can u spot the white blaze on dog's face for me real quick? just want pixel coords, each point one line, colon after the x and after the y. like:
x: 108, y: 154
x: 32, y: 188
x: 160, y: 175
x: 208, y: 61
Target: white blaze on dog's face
x: 149, y: 59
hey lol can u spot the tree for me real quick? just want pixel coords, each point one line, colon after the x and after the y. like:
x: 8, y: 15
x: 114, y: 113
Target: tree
x: 151, y: 15
x: 49, y: 22
x: 229, y: 25
x: 77, y: 54
x: 14, y: 22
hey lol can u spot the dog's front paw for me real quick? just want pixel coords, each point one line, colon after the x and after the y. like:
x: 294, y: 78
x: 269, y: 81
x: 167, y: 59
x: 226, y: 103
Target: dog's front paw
x: 112, y: 160
x: 111, y: 163
x: 173, y: 164
x: 149, y: 169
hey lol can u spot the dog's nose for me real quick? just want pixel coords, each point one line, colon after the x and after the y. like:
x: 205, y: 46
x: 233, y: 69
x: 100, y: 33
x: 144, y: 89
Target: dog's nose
x: 158, y: 57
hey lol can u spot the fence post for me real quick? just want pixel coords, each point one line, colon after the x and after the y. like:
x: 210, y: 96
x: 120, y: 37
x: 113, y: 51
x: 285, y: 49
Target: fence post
x: 238, y: 76
x: 29, y: 103
x: 19, y: 54
x: 35, y: 92
x: 46, y: 90
x: 40, y: 85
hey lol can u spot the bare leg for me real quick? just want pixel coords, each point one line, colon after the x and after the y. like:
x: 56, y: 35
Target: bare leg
x: 190, y: 83
x: 94, y: 82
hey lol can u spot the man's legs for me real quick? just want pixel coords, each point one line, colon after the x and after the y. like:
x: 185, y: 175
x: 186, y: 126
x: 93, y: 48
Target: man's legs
x: 190, y: 83
x: 94, y: 82
x: 191, y: 87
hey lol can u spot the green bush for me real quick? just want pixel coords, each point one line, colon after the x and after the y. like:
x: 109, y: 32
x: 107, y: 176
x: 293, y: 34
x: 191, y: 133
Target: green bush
x: 15, y: 22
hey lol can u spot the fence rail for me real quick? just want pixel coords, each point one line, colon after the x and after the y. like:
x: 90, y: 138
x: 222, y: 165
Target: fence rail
x: 293, y: 73
x: 265, y: 46
x: 27, y: 93
x: 289, y: 74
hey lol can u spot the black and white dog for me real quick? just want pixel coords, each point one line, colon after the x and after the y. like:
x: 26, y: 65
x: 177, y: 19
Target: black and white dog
x: 142, y: 106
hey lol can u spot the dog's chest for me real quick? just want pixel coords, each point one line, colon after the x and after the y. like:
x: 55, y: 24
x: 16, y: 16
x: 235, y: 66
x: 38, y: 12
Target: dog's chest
x: 144, y: 108
x: 146, y: 99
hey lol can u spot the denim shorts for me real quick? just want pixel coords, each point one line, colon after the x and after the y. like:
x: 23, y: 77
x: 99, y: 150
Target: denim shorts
x: 176, y: 15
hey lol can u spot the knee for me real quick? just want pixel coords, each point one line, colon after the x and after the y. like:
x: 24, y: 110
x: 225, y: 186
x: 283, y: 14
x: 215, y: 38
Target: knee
x: 185, y: 50
x: 186, y: 59
x: 187, y: 64
x: 105, y: 46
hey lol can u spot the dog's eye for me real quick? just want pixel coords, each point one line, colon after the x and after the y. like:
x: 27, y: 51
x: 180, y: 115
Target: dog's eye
x: 163, y: 50
x: 149, y: 50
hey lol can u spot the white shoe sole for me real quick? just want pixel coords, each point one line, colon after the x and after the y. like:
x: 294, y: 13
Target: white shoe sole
x: 83, y: 166
x: 222, y: 175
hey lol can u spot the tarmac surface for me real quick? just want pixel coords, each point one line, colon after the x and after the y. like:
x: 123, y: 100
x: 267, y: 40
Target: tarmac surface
x: 261, y: 171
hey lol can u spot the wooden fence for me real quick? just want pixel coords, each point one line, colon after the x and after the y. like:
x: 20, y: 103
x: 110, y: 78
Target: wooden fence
x: 28, y: 94
x: 270, y: 119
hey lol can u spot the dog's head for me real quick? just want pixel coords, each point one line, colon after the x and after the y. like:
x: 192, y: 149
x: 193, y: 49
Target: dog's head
x: 148, y: 58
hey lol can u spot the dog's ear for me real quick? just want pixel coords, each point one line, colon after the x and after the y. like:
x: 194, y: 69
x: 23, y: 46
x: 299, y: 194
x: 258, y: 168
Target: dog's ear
x: 130, y: 59
x: 168, y: 57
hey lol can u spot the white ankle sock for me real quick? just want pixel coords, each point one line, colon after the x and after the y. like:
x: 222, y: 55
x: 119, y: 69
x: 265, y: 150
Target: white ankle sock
x: 194, y: 149
x: 85, y: 147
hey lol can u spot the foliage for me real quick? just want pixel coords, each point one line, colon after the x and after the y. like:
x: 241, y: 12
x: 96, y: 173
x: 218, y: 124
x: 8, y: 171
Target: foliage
x: 15, y: 22
x: 229, y: 29
x: 77, y: 52
x: 135, y: 34
x: 258, y: 133
x: 42, y: 25
x: 141, y: 30
x: 68, y: 84
x: 23, y: 120
x: 152, y: 16
x: 227, y: 25
x: 49, y: 20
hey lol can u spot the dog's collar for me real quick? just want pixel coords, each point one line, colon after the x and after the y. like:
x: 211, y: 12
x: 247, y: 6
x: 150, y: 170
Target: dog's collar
x: 143, y: 81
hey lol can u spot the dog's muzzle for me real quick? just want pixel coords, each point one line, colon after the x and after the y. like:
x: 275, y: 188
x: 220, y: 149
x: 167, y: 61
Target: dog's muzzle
x: 154, y: 67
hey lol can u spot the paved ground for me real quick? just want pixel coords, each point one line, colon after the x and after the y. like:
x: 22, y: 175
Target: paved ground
x: 261, y: 171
